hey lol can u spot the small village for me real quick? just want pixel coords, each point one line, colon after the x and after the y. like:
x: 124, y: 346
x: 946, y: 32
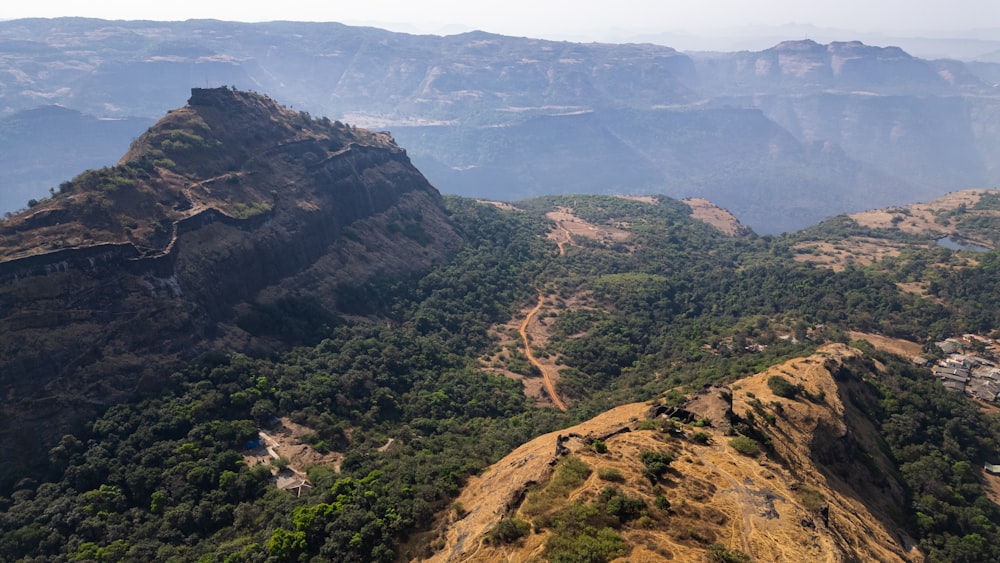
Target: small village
x: 975, y: 374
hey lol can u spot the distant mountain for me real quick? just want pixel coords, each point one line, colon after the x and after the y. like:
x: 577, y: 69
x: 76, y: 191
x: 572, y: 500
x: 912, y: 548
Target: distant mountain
x: 842, y: 127
x: 225, y: 212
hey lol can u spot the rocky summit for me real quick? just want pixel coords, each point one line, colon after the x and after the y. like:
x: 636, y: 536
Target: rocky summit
x: 227, y: 208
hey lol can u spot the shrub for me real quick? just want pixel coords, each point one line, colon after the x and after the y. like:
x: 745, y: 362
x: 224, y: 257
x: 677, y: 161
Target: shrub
x: 702, y: 438
x: 782, y: 387
x: 572, y: 540
x: 599, y: 446
x: 746, y: 446
x: 610, y: 474
x: 165, y: 163
x: 244, y: 211
x: 656, y: 464
x: 719, y: 554
x: 179, y: 141
x: 571, y: 472
x: 622, y: 507
x: 810, y: 498
x: 648, y: 424
x: 508, y: 530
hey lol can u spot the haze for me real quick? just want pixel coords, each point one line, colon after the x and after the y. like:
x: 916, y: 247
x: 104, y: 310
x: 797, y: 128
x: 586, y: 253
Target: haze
x: 563, y: 19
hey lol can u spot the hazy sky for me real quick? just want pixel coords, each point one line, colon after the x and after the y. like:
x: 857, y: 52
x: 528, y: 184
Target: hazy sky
x: 553, y: 18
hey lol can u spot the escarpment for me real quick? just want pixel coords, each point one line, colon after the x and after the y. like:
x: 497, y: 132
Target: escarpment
x: 227, y: 203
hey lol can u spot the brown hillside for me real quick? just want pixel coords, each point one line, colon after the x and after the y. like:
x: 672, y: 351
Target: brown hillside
x: 707, y: 212
x: 809, y: 499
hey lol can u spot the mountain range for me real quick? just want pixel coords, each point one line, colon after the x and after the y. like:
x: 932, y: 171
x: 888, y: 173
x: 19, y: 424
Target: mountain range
x: 842, y: 126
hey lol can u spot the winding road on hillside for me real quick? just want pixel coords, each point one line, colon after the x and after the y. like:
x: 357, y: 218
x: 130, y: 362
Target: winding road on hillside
x: 550, y: 387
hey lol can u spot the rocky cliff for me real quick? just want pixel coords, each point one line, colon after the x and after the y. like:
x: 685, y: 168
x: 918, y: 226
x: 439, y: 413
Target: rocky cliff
x: 229, y: 203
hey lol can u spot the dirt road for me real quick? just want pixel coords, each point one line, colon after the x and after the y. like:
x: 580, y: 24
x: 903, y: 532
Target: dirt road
x: 550, y: 387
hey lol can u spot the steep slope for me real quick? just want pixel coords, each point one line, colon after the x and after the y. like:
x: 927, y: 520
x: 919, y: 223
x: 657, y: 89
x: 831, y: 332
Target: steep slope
x: 813, y: 497
x: 226, y: 209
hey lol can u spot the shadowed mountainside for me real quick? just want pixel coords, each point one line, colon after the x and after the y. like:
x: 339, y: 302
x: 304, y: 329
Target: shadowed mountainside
x: 225, y: 208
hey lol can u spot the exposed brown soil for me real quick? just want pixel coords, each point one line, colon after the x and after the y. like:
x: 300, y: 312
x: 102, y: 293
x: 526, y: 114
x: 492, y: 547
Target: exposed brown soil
x: 707, y: 212
x: 537, y: 330
x: 930, y: 221
x: 991, y: 486
x: 917, y: 288
x: 284, y: 440
x: 643, y: 198
x: 567, y: 222
x: 549, y: 374
x: 498, y: 204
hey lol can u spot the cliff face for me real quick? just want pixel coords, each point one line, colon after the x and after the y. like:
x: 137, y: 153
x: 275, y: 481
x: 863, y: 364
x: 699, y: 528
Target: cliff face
x: 230, y: 201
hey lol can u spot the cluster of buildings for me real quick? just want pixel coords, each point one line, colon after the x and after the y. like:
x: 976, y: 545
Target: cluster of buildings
x: 976, y: 376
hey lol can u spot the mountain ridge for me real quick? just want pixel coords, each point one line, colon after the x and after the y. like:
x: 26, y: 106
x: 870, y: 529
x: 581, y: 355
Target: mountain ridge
x: 773, y: 513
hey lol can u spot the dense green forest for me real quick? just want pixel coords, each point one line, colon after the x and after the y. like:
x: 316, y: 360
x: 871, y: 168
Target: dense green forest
x: 679, y: 305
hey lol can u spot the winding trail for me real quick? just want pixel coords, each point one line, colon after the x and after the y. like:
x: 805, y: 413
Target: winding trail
x: 550, y: 387
x: 567, y: 238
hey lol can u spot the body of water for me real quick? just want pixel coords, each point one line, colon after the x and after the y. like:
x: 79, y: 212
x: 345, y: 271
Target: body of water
x: 958, y: 244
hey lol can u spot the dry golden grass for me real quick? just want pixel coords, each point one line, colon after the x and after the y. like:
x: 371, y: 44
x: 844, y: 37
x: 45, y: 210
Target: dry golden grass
x: 904, y: 348
x: 707, y: 212
x: 769, y: 510
x: 836, y: 256
x: 918, y: 218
